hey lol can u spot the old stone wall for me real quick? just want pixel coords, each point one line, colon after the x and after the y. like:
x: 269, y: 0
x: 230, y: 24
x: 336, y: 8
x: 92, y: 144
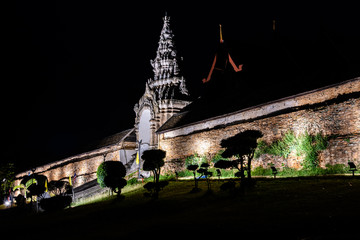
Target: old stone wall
x: 332, y: 111
x: 340, y: 150
x: 84, y: 165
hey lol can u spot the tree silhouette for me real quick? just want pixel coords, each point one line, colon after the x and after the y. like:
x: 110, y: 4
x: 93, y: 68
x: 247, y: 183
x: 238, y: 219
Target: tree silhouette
x: 243, y: 146
x: 193, y: 168
x: 153, y: 161
x: 35, y: 184
x: 205, y: 172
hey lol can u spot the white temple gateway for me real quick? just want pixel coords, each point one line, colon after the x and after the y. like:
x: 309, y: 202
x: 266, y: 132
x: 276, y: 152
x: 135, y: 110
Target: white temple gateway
x: 164, y: 95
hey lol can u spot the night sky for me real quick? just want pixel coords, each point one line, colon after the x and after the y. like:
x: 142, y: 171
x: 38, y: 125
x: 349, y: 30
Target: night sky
x: 78, y: 68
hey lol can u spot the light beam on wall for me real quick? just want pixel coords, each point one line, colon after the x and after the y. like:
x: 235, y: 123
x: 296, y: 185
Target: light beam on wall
x: 201, y: 147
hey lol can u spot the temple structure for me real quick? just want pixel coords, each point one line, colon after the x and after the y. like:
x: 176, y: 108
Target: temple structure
x: 165, y: 94
x: 166, y: 118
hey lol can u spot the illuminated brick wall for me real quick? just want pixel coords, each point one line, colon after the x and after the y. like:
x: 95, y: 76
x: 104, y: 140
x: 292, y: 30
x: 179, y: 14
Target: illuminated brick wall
x: 84, y: 165
x: 334, y: 111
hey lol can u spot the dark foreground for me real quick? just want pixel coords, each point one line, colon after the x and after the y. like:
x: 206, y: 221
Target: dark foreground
x: 292, y: 208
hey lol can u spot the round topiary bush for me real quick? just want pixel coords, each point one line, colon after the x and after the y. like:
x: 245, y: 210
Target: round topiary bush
x: 111, y: 174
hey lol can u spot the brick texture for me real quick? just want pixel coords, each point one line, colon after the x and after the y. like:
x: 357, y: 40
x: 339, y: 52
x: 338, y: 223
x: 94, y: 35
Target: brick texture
x: 334, y: 111
x: 84, y: 165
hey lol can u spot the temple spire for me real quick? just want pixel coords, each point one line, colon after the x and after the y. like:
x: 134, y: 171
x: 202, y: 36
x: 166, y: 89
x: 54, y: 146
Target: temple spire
x: 166, y: 66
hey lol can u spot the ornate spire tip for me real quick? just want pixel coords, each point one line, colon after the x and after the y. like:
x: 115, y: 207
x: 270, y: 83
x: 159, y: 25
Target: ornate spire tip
x: 221, y: 37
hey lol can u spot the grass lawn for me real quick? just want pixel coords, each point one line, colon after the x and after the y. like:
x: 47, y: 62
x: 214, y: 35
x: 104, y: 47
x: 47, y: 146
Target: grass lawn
x: 284, y: 208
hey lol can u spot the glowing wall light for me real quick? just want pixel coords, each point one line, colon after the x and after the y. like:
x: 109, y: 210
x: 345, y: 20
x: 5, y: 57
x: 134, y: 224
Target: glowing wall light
x: 201, y: 147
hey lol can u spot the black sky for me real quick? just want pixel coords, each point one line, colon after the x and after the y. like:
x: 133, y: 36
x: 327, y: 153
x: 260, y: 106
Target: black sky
x: 78, y: 68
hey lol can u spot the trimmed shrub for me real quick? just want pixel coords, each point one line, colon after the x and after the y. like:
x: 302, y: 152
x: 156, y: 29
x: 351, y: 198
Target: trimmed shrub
x: 111, y: 174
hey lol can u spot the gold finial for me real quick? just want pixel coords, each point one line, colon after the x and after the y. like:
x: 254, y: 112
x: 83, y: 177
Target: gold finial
x: 221, y: 38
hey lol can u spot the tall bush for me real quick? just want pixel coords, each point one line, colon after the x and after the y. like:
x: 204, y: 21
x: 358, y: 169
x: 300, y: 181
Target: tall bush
x: 153, y: 161
x: 111, y: 174
x: 242, y: 145
x: 193, y: 168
